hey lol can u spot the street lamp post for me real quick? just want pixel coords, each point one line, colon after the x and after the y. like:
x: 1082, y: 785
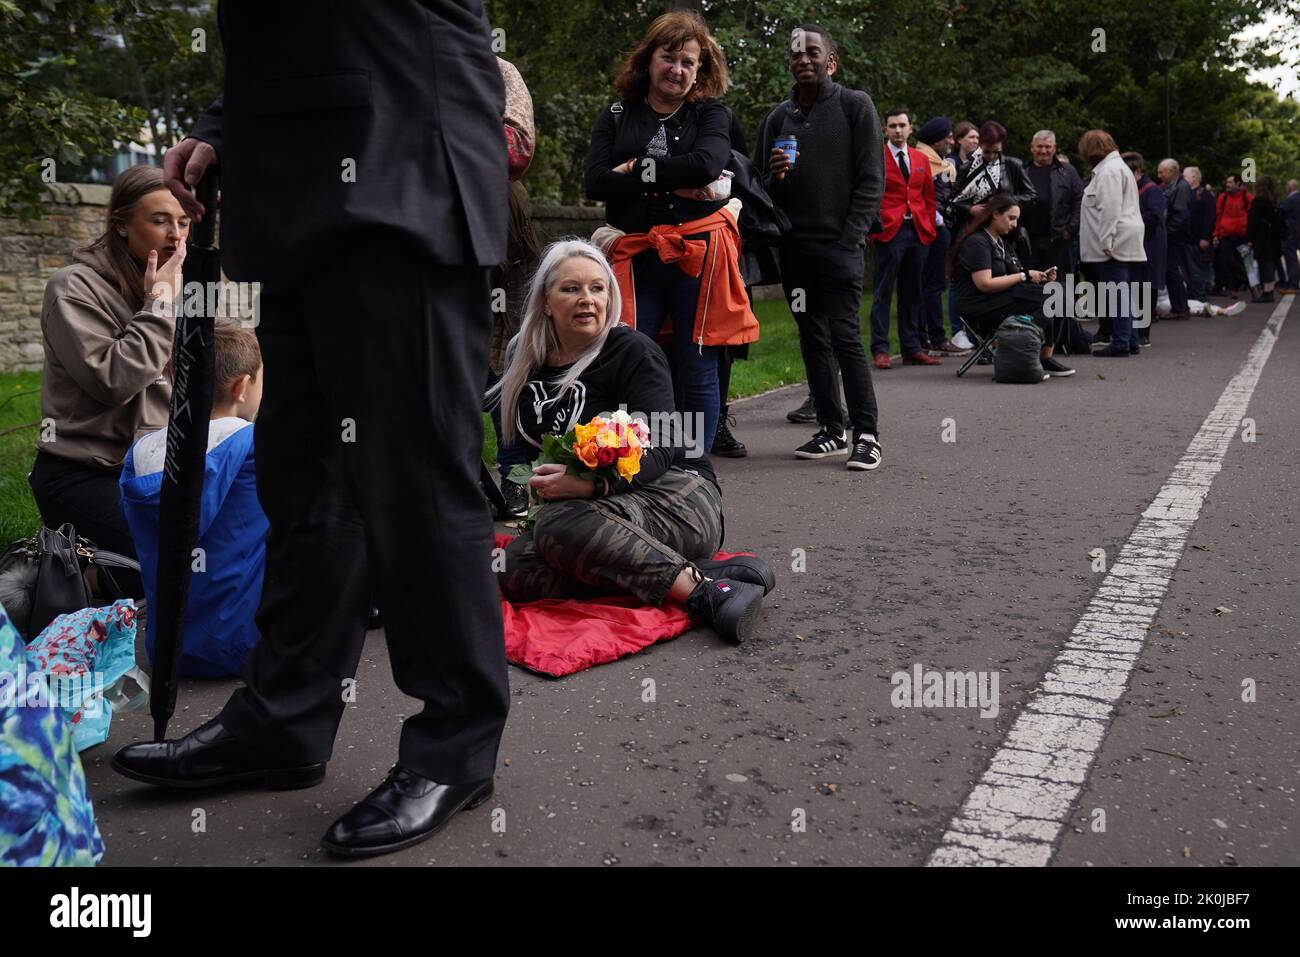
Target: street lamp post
x: 1165, y: 51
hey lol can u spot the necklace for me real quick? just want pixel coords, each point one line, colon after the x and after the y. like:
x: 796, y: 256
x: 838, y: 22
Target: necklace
x: 664, y: 119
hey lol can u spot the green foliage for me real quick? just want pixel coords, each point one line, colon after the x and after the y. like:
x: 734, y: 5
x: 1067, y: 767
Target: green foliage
x: 1030, y: 64
x: 76, y: 76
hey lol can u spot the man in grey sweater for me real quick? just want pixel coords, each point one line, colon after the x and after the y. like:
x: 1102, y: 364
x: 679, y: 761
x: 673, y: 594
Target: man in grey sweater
x: 831, y: 189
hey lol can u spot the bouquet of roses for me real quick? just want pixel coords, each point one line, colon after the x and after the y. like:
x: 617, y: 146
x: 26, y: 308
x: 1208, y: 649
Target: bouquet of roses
x: 604, y: 447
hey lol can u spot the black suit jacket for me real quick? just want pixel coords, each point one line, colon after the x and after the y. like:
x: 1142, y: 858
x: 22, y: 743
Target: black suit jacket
x: 340, y: 116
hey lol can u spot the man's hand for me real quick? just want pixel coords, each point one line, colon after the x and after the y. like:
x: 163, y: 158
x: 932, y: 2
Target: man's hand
x: 778, y: 162
x: 183, y: 167
x: 552, y: 482
x: 1037, y: 276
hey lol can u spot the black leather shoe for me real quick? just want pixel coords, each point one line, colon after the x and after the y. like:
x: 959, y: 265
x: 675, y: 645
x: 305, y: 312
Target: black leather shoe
x: 805, y: 413
x: 405, y: 810
x: 210, y: 756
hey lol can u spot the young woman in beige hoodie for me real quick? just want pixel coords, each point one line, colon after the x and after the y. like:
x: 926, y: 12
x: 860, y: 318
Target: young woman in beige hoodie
x: 107, y: 324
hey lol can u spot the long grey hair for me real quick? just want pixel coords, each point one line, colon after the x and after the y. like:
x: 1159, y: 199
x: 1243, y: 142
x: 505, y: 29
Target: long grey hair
x: 536, y: 338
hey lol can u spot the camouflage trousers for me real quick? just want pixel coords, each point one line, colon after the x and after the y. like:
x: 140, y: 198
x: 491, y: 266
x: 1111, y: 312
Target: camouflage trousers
x: 634, y: 542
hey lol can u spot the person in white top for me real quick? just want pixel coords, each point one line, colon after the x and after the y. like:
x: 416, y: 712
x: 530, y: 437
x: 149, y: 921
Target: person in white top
x: 1110, y: 234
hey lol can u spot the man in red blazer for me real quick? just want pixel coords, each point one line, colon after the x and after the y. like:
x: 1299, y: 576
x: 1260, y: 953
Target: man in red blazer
x: 906, y: 221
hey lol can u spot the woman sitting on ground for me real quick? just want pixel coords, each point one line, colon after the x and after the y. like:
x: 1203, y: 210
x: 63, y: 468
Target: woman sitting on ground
x: 991, y: 282
x: 652, y: 536
x: 107, y: 326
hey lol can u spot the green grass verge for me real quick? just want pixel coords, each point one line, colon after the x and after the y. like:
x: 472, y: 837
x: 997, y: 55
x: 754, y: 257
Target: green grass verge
x: 20, y: 415
x: 773, y: 361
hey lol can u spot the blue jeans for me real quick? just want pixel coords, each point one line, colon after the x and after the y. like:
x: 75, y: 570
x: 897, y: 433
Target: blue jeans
x: 898, y: 261
x: 1122, y: 332
x: 663, y: 291
x: 508, y: 456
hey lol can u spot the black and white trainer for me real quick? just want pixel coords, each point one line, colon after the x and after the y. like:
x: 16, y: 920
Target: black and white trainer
x: 1057, y: 370
x: 866, y: 454
x: 824, y: 443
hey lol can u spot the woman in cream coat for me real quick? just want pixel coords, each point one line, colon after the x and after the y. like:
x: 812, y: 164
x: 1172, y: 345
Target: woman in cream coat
x: 1110, y: 236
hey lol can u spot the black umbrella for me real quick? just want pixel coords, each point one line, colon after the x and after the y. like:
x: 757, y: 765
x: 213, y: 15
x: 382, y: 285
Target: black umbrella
x: 187, y: 446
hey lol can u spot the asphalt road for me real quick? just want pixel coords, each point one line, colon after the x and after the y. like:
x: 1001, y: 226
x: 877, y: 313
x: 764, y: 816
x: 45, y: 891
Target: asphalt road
x: 959, y: 556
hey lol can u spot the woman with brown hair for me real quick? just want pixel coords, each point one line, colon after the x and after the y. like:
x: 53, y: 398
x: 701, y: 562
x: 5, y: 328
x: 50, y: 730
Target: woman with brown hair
x: 107, y: 323
x: 991, y: 281
x: 1111, y: 235
x: 656, y: 160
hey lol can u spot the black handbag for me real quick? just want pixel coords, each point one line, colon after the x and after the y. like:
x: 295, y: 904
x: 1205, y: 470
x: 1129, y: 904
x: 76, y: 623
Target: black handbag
x: 47, y: 575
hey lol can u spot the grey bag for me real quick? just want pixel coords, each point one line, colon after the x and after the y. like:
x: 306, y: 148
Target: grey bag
x: 1018, y: 355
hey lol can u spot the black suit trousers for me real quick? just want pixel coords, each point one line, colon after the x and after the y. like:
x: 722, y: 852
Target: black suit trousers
x: 367, y: 454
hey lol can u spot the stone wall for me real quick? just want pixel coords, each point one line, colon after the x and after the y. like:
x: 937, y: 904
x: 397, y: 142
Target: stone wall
x: 74, y: 214
x: 29, y: 252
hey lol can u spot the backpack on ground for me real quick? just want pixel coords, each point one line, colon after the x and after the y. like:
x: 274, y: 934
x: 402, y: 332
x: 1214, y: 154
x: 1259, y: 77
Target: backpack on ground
x: 1018, y: 355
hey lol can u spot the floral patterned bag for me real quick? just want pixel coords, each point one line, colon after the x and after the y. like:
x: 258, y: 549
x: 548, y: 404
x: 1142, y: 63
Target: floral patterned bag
x: 46, y: 817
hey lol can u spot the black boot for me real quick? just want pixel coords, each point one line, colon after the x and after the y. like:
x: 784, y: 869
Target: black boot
x: 726, y: 444
x: 805, y: 413
x: 729, y: 607
x: 742, y: 568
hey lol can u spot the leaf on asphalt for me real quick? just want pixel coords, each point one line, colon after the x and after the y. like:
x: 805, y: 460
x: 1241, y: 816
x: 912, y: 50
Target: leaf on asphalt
x: 1204, y: 548
x: 801, y: 637
x: 1223, y: 610
x: 1100, y: 376
x: 1187, y: 852
x: 737, y: 778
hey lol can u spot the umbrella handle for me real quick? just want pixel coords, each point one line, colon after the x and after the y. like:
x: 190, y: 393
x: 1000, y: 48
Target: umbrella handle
x: 204, y: 232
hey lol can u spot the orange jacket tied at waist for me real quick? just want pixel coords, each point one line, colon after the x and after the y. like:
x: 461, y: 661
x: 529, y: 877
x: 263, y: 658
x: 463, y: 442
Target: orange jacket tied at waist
x: 723, y: 316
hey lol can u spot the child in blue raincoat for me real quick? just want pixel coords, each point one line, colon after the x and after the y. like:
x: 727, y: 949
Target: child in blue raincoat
x: 226, y: 580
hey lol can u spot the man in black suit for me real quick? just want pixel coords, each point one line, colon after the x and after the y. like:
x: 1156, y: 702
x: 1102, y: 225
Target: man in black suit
x: 364, y: 185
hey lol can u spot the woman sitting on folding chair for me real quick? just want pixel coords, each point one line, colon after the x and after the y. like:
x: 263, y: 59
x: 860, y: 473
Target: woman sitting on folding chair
x: 990, y: 281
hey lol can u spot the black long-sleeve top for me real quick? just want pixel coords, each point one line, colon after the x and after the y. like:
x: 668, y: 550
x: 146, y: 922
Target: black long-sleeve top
x: 692, y: 152
x: 632, y: 372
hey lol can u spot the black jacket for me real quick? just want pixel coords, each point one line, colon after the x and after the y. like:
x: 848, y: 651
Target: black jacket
x: 1066, y: 199
x: 1014, y: 180
x: 1265, y: 229
x: 833, y: 194
x: 698, y: 144
x: 1178, y: 211
x: 354, y: 115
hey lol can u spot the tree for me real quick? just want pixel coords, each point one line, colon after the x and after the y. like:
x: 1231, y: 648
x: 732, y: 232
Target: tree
x: 49, y: 120
x: 1030, y: 64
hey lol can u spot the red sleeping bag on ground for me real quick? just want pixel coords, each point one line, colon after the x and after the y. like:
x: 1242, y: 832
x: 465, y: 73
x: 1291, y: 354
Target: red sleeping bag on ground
x: 559, y: 636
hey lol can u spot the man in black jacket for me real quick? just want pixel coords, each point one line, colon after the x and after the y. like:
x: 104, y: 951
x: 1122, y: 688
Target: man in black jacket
x: 1053, y: 220
x: 1179, y: 269
x: 831, y: 191
x: 364, y: 185
x: 1201, y: 229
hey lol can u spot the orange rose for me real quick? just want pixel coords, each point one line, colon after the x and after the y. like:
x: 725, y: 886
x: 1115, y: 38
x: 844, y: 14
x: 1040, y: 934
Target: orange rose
x: 586, y: 452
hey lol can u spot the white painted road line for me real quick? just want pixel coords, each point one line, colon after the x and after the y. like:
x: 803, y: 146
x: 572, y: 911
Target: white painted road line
x: 1015, y: 813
